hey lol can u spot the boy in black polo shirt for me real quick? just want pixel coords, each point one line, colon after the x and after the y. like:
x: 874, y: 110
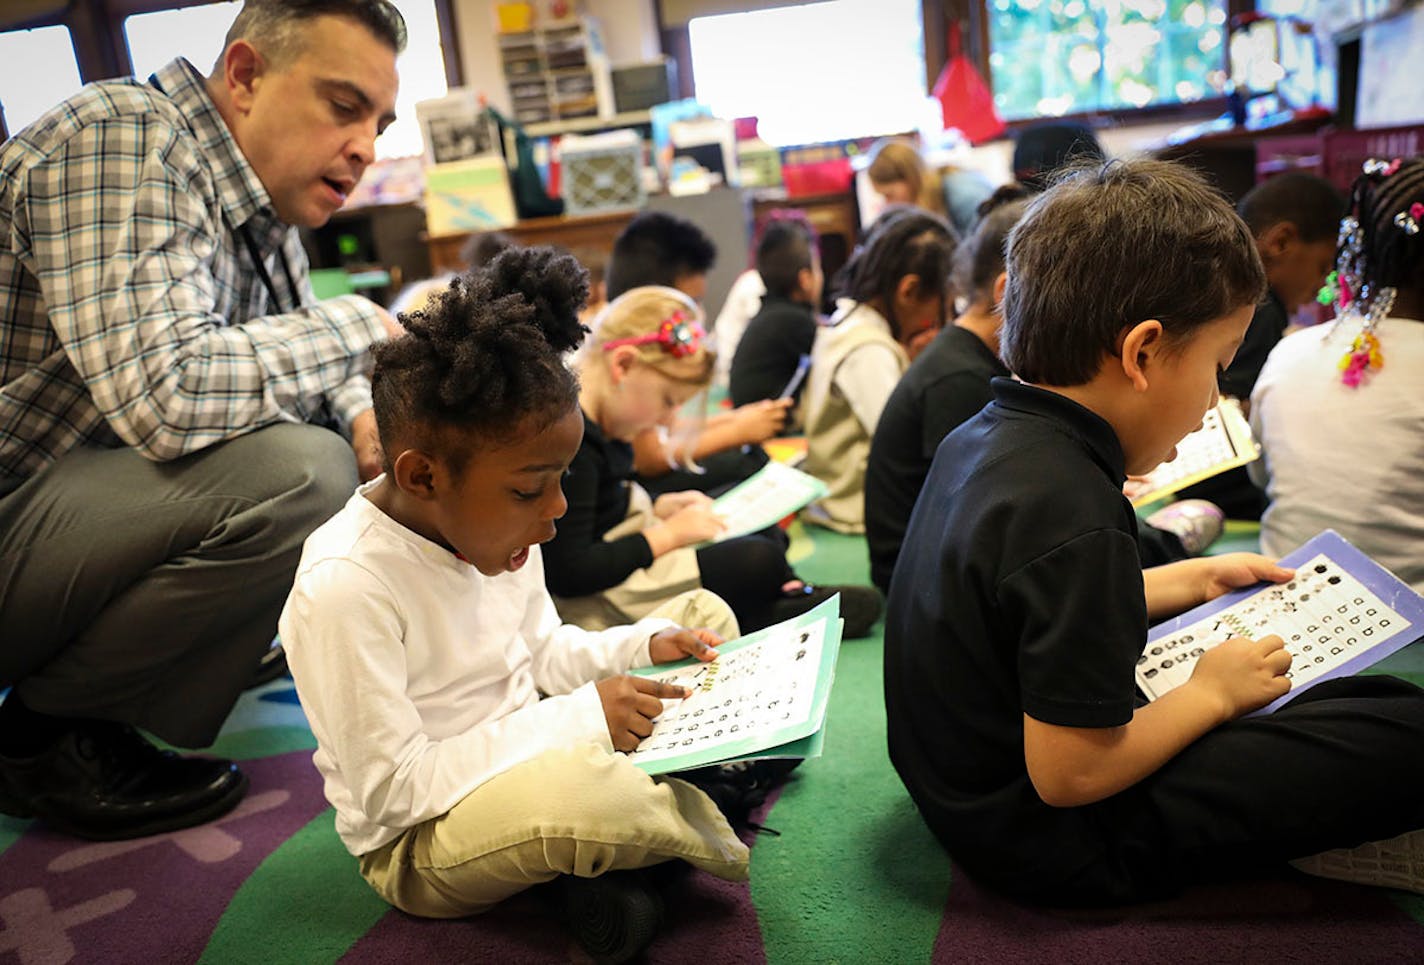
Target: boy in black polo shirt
x: 1019, y: 607
x: 785, y: 328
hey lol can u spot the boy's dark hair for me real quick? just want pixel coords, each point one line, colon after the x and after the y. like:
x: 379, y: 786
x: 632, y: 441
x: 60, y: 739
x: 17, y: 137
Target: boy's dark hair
x: 1113, y: 245
x: 269, y: 24
x: 485, y: 357
x: 904, y: 240
x: 1312, y: 204
x: 481, y: 249
x: 658, y: 249
x: 1393, y: 258
x: 1041, y: 151
x: 980, y: 258
x: 785, y: 250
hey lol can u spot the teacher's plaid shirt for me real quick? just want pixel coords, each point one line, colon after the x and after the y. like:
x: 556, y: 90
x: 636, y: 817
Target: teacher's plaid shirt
x: 130, y: 311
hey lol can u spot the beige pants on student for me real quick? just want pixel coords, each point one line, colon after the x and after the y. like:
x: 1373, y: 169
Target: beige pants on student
x: 573, y: 811
x: 644, y: 591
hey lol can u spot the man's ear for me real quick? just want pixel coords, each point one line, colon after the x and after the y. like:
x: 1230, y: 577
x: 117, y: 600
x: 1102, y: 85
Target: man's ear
x: 1140, y: 351
x: 1276, y: 240
x: 414, y: 473
x: 243, y: 67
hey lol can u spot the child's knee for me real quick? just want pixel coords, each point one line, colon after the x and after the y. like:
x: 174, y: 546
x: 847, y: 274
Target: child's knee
x: 701, y: 608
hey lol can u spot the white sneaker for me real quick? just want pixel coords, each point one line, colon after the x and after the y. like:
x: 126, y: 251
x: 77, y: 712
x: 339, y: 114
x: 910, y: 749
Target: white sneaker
x: 1396, y: 863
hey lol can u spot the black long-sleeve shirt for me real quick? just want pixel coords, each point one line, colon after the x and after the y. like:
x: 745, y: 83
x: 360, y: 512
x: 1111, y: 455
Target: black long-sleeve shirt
x: 577, y: 562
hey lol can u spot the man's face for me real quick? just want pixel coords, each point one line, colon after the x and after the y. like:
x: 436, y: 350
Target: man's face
x: 308, y: 124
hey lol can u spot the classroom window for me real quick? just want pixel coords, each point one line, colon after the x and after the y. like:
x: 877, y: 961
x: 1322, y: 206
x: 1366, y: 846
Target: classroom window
x: 37, y: 70
x: 856, y: 68
x: 1056, y: 57
x: 197, y: 33
x: 194, y: 32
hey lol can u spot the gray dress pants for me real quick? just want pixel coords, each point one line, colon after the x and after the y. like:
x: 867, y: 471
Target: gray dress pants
x: 146, y: 592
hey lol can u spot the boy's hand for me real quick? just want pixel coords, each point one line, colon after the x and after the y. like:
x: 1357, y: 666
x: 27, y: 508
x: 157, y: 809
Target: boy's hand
x: 759, y: 421
x: 1244, y: 674
x: 1232, y: 571
x: 630, y: 704
x: 668, y: 504
x: 674, y: 643
x: 1135, y: 486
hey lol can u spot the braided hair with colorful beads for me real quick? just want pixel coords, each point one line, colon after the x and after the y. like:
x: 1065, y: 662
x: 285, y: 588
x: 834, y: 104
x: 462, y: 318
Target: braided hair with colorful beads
x: 1381, y: 250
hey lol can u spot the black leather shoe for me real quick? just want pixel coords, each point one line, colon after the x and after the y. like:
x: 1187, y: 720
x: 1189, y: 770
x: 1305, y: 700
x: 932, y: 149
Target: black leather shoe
x: 103, y: 781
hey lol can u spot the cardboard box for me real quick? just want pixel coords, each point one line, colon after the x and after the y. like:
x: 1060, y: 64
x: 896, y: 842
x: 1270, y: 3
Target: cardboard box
x: 468, y: 195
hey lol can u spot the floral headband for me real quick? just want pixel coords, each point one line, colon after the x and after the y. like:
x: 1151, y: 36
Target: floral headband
x: 678, y: 334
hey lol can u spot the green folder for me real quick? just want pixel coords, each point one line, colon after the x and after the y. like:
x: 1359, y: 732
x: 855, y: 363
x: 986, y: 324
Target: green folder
x: 764, y: 696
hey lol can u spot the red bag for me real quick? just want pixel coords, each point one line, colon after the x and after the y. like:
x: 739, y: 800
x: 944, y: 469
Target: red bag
x: 964, y: 98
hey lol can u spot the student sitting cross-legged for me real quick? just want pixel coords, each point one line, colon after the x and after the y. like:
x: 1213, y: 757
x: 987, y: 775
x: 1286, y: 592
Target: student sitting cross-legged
x: 422, y: 639
x: 949, y: 383
x: 621, y: 552
x: 1019, y: 606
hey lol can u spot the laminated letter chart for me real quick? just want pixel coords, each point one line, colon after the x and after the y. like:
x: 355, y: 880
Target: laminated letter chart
x: 1223, y: 442
x: 764, y: 696
x: 1341, y: 613
x: 764, y: 499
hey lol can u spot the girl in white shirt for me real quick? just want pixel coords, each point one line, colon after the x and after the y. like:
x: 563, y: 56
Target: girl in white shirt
x: 423, y: 642
x: 1338, y: 407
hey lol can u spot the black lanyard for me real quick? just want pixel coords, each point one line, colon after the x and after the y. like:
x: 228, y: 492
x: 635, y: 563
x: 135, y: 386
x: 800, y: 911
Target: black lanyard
x: 256, y: 254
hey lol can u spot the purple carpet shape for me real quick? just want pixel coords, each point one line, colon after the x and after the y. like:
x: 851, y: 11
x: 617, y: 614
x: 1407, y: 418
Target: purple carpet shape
x: 156, y: 899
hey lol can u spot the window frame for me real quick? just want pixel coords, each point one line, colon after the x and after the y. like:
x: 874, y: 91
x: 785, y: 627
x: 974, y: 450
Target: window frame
x: 100, y: 47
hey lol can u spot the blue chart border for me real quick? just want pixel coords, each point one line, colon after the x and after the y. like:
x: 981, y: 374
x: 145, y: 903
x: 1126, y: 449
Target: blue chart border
x: 1396, y: 594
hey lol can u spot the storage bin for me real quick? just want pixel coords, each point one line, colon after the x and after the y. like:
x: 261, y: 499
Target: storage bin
x: 602, y: 173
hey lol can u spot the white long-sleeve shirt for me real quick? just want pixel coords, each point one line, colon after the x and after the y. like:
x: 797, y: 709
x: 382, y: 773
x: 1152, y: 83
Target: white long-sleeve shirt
x: 421, y: 677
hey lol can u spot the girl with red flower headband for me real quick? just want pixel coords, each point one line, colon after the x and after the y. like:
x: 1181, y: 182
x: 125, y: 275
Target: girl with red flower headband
x: 1338, y: 408
x: 619, y: 552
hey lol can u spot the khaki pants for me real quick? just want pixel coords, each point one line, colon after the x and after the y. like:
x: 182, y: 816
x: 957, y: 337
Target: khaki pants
x: 573, y: 811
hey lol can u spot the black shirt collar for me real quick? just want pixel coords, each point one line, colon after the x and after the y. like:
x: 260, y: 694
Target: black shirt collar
x: 1091, y: 429
x: 974, y: 345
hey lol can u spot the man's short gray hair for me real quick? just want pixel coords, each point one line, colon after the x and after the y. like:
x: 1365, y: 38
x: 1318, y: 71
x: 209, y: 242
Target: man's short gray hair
x: 272, y: 25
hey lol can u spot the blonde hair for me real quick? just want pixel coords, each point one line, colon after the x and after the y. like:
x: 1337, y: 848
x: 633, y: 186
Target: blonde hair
x: 892, y: 161
x: 642, y: 311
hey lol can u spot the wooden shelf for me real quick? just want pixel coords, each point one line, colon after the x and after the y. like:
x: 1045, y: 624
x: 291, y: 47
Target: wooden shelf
x: 580, y: 125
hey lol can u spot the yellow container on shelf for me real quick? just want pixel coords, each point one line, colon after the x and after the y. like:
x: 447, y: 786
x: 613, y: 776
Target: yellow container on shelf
x: 514, y: 18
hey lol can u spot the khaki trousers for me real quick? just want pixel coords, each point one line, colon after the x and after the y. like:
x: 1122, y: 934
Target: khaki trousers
x: 574, y: 811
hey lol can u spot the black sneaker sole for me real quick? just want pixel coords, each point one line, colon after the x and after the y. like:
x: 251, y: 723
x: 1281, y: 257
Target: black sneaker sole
x: 612, y: 916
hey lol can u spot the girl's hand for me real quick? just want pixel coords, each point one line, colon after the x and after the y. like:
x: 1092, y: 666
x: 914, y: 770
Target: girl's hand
x: 668, y: 504
x: 630, y: 704
x: 1243, y: 674
x: 1232, y: 571
x: 675, y: 643
x: 759, y: 421
x: 695, y: 523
